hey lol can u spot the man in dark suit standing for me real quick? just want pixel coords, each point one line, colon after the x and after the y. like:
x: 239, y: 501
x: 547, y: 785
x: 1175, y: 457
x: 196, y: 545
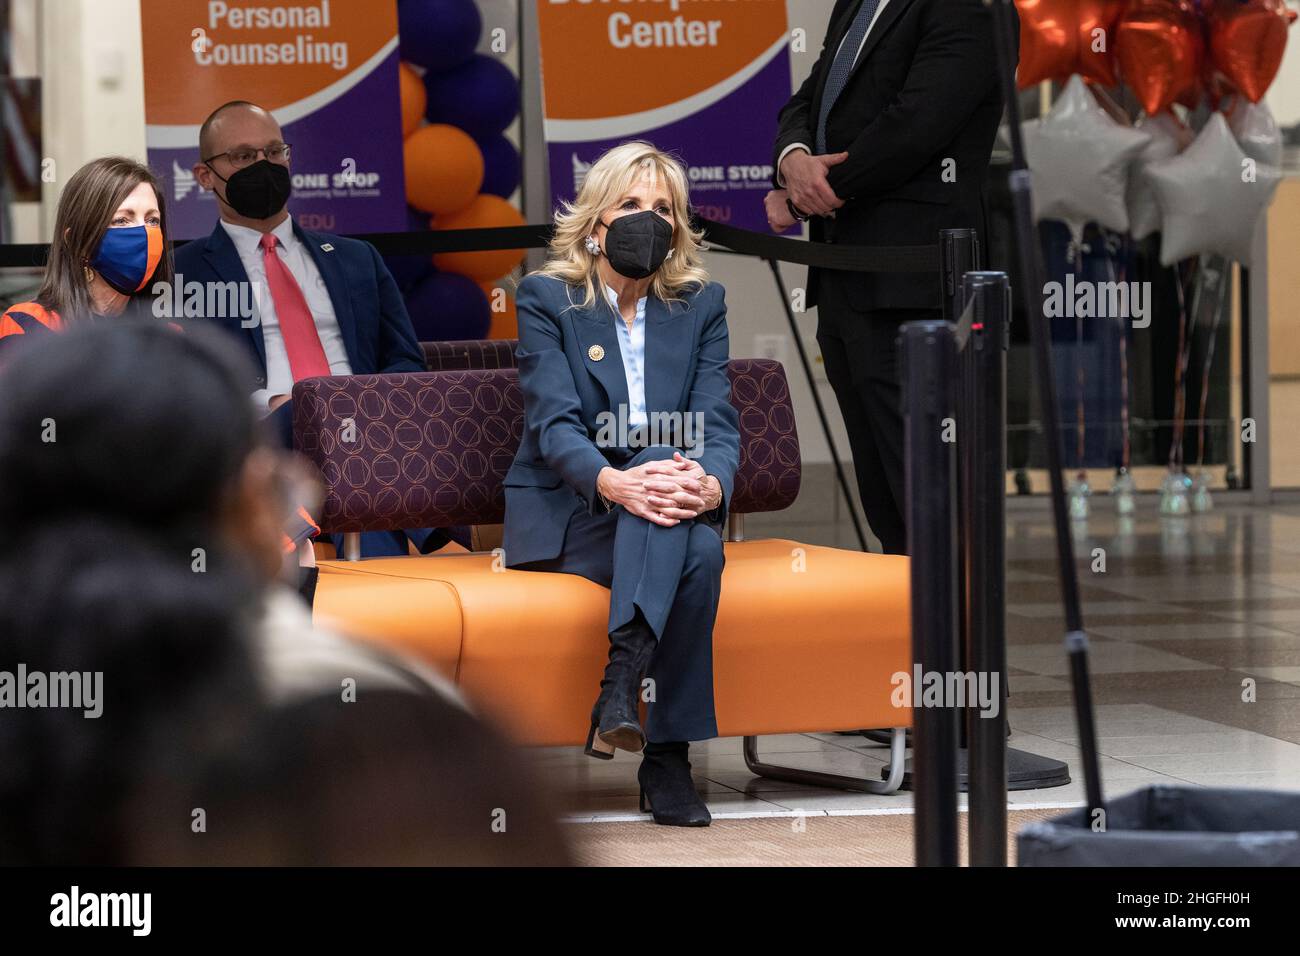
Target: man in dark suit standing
x: 324, y: 304
x: 886, y: 143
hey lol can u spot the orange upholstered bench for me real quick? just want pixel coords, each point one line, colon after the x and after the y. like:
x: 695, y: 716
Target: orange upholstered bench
x: 808, y: 638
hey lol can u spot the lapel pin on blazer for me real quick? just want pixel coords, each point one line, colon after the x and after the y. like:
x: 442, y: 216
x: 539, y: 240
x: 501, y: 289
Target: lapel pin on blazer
x: 595, y: 353
x: 327, y: 247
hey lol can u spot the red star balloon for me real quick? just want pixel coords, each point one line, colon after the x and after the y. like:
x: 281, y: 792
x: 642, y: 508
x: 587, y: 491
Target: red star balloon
x: 1160, y: 48
x: 1061, y: 37
x: 1247, y: 38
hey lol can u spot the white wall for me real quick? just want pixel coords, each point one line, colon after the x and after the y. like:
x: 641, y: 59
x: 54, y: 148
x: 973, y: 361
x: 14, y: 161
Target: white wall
x: 1283, y: 97
x: 93, y: 87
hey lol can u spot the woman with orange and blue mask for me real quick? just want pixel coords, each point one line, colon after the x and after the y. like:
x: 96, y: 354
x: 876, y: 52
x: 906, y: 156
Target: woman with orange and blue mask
x: 110, y: 247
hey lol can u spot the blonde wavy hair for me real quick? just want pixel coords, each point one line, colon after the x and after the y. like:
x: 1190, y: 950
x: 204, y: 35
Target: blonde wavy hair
x: 607, y: 181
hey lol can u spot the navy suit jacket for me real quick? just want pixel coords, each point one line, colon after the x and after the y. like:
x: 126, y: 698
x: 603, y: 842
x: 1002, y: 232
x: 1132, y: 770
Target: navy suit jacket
x: 569, y: 393
x: 372, y: 317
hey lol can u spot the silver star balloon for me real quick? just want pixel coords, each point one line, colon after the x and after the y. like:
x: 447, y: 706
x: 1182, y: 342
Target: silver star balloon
x: 1168, y: 138
x: 1079, y: 160
x: 1211, y: 196
x: 1255, y: 129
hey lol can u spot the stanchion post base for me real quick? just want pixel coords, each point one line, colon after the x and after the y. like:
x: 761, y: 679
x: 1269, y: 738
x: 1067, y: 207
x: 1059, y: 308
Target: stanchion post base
x: 1025, y: 771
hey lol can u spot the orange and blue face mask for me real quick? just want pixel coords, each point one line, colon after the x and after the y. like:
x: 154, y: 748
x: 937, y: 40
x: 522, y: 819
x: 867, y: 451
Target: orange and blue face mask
x: 128, y: 256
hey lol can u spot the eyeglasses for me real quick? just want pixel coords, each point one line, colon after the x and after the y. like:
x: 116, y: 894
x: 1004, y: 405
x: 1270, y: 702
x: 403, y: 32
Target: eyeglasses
x: 242, y: 156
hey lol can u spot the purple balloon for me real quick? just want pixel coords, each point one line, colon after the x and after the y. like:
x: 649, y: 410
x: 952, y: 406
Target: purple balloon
x: 447, y: 305
x: 438, y: 34
x: 408, y: 270
x: 481, y: 96
x: 500, y: 166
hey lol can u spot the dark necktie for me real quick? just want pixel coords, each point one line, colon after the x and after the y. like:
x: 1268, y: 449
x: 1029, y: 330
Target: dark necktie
x: 842, y: 66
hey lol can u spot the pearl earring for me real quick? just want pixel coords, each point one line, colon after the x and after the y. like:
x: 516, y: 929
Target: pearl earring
x: 593, y: 246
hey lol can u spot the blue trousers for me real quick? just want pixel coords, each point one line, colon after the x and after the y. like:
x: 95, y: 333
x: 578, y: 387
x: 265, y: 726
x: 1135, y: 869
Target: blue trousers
x: 674, y: 576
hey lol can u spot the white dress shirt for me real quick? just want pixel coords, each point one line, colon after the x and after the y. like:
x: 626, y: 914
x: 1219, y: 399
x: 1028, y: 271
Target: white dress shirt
x: 875, y: 18
x: 631, y: 343
x: 279, y: 378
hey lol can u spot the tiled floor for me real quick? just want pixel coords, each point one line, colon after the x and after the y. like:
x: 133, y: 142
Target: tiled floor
x: 1195, y: 657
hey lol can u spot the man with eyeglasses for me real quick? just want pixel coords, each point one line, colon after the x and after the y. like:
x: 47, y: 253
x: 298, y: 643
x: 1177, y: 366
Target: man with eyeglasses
x: 325, y: 305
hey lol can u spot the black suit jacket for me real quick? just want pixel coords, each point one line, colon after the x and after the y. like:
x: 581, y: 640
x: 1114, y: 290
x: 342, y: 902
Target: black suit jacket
x: 924, y: 90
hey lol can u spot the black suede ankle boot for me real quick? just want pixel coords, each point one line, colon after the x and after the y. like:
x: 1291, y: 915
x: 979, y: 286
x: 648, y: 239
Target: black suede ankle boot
x: 615, y: 719
x: 666, y: 784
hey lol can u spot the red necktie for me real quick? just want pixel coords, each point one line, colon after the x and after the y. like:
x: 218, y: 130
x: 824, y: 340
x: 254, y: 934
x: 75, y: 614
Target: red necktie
x: 297, y: 327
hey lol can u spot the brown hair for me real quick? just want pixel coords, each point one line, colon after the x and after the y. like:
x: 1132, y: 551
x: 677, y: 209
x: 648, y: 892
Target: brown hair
x: 86, y: 208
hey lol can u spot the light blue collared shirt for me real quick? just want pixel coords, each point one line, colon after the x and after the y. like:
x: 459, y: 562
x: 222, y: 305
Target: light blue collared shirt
x: 631, y: 343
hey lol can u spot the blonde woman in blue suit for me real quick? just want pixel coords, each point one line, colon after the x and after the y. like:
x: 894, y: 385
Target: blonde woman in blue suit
x: 630, y: 447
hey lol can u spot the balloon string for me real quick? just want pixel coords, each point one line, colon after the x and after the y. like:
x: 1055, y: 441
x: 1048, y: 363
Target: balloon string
x: 1176, y: 446
x: 1081, y: 428
x: 1218, y: 281
x: 1193, y: 316
x: 1126, y: 452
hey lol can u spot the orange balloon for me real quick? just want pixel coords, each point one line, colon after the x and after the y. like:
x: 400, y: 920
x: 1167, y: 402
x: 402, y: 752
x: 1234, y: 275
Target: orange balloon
x: 505, y: 320
x: 1160, y: 50
x: 1059, y: 38
x: 444, y: 168
x: 414, y: 97
x: 485, y: 212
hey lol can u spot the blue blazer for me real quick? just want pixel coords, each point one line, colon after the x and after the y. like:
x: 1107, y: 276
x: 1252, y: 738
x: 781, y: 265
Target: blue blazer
x: 566, y: 388
x: 372, y: 317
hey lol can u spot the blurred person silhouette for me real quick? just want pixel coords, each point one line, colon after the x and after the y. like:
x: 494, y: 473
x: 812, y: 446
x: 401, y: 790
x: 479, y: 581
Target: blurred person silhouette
x: 142, y: 513
x: 393, y: 779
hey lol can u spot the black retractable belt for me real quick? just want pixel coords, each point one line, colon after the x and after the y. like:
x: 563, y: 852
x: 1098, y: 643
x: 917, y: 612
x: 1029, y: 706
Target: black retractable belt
x: 537, y: 236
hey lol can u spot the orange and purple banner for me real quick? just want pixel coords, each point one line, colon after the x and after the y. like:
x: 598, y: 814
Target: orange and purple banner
x: 326, y: 69
x: 702, y: 79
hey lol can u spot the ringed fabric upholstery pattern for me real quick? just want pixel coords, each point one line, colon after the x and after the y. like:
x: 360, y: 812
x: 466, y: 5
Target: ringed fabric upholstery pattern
x: 427, y: 450
x: 410, y: 450
x: 807, y: 638
x: 461, y: 356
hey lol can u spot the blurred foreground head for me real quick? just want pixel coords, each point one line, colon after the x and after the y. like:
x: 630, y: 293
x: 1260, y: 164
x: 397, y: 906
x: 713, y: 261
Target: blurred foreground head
x: 141, y: 526
x: 126, y: 554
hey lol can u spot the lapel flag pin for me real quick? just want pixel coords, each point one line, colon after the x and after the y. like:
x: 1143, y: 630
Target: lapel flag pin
x: 327, y: 247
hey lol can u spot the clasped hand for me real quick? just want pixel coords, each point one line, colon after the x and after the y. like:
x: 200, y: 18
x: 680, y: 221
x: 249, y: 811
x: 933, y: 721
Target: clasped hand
x: 666, y: 491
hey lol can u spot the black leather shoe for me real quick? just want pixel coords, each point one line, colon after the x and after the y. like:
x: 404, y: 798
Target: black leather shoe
x: 615, y: 719
x: 667, y: 787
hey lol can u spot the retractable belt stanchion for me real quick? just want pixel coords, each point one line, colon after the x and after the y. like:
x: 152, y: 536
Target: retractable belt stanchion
x: 1031, y: 277
x: 982, y: 447
x: 929, y: 370
x: 959, y: 253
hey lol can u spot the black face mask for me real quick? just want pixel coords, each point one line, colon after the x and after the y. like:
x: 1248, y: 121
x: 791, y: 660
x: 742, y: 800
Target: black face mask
x: 258, y: 191
x: 636, y: 245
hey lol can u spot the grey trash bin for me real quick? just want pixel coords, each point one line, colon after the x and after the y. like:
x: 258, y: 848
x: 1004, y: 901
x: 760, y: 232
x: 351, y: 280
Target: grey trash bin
x: 1173, y: 826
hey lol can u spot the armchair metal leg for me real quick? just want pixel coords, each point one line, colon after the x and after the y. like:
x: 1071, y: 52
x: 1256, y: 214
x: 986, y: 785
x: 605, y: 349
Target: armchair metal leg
x: 817, y: 778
